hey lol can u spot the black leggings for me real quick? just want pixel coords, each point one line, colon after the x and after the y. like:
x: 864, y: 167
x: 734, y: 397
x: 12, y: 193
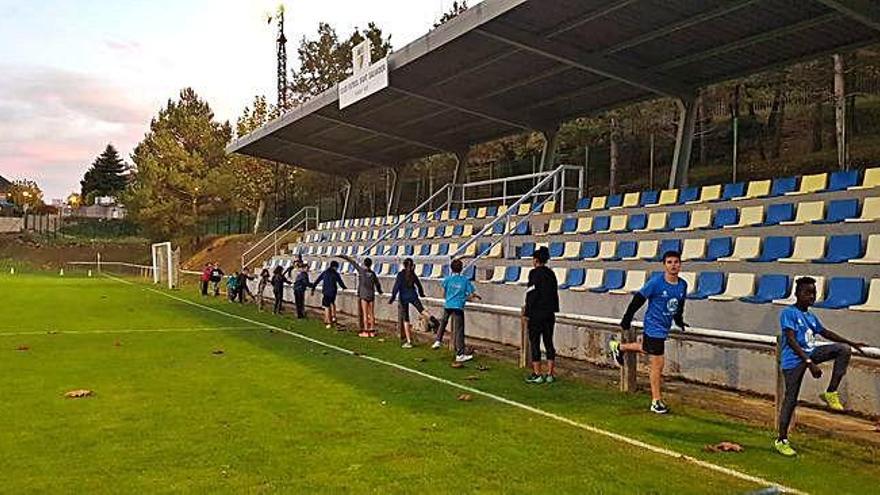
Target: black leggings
x: 279, y: 300
x: 541, y: 328
x: 840, y: 353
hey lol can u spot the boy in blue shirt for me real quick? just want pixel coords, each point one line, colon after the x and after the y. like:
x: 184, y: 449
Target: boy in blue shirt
x: 332, y: 281
x: 457, y: 289
x: 800, y: 353
x: 665, y: 296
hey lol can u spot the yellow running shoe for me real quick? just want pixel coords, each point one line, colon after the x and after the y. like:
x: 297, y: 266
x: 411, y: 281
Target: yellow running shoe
x: 784, y: 448
x: 832, y: 399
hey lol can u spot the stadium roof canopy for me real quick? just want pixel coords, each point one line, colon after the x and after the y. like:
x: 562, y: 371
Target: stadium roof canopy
x: 507, y: 66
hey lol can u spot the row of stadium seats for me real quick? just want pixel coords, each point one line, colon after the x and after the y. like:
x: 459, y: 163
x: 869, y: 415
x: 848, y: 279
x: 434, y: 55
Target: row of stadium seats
x: 786, y: 249
x: 781, y: 214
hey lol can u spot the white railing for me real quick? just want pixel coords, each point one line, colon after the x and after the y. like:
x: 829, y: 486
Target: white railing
x: 408, y: 217
x: 270, y: 241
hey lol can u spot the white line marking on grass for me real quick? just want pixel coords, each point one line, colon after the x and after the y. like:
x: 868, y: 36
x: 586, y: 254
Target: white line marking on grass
x: 125, y: 330
x: 562, y: 419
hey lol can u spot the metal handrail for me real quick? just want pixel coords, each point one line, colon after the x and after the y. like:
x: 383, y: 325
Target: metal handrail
x: 304, y: 212
x: 404, y: 220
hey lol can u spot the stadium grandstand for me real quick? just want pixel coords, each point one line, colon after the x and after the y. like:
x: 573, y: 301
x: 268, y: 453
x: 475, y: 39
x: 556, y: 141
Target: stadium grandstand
x: 512, y: 66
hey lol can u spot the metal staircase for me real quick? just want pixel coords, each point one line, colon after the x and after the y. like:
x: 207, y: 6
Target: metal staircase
x: 298, y: 222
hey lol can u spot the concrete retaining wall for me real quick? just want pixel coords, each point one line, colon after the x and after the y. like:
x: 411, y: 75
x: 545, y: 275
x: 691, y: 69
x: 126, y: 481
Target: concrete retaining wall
x: 10, y: 225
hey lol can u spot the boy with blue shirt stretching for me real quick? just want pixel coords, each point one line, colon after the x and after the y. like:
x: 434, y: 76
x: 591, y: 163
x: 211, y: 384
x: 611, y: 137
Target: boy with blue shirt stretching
x: 665, y: 296
x: 800, y: 353
x: 457, y: 290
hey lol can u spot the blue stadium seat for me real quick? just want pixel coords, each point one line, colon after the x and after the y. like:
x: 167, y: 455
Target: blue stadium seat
x: 733, y: 190
x: 575, y: 278
x: 589, y: 249
x: 649, y: 198
x: 665, y: 246
x: 688, y: 194
x: 583, y: 204
x: 773, y: 248
x: 783, y: 185
x: 444, y: 272
x: 526, y: 250
x: 458, y: 230
x: 423, y: 216
x: 484, y: 248
x: 770, y: 287
x: 556, y: 249
x: 408, y: 250
x: 843, y: 180
x: 438, y: 214
x: 522, y: 228
x: 601, y: 224
x: 511, y: 274
x: 392, y: 250
x: 636, y: 222
x: 614, y: 280
x: 625, y: 249
x: 842, y: 248
x: 440, y: 232
x: 569, y: 225
x: 426, y: 270
x: 425, y: 250
x: 780, y: 212
x: 498, y: 228
x: 677, y: 220
x: 843, y: 292
x: 718, y: 247
x: 471, y: 213
x: 444, y: 249
x: 839, y: 210
x: 491, y: 211
x: 614, y: 201
x: 726, y: 216
x: 453, y: 213
x: 708, y: 284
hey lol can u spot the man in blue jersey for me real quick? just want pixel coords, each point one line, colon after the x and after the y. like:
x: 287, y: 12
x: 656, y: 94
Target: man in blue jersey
x: 665, y: 296
x: 457, y: 290
x: 800, y: 353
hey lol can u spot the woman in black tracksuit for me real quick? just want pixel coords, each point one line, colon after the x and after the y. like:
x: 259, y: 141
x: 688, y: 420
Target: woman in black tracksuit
x: 278, y: 281
x: 542, y: 304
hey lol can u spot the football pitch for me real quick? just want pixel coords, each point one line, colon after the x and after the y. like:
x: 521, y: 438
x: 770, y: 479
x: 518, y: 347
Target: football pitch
x: 196, y: 394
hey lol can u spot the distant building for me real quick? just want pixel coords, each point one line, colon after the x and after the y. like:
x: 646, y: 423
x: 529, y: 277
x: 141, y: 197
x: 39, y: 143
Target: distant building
x: 5, y: 189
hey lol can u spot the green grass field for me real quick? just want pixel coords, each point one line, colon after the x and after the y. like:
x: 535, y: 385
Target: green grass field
x: 276, y: 413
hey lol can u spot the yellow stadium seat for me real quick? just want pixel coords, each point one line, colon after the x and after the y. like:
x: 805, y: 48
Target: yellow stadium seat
x: 635, y: 279
x: 656, y: 221
x: 749, y: 216
x: 690, y: 278
x: 699, y: 219
x: 806, y: 249
x: 607, y: 249
x: 756, y: 189
x: 618, y: 223
x: 807, y: 212
x: 872, y: 252
x: 646, y: 250
x: 524, y: 209
x: 667, y: 197
x: 584, y: 225
x: 482, y: 212
x: 870, y: 211
x: 432, y: 232
x: 444, y: 216
x: 463, y: 214
x: 548, y: 207
x: 811, y: 183
x: 629, y: 200
x: 523, y: 276
x: 497, y: 251
x: 470, y: 251
x: 467, y: 230
x: 744, y: 248
x: 708, y: 193
x: 592, y: 279
x: 738, y: 285
x: 497, y: 275
x: 871, y: 179
x: 692, y: 249
x: 791, y: 299
x: 572, y: 250
x: 561, y: 274
x: 598, y: 203
x: 873, y: 301
x: 502, y: 210
x: 554, y: 227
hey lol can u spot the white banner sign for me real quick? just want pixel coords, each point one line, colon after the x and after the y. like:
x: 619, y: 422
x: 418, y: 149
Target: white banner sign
x: 359, y: 86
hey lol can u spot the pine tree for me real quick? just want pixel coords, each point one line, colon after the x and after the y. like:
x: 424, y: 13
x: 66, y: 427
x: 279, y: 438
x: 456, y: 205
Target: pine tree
x: 106, y: 176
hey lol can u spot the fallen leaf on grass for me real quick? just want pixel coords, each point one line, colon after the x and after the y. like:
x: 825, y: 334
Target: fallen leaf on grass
x: 22, y: 348
x: 457, y: 365
x: 217, y: 352
x: 724, y: 447
x: 76, y: 394
x: 117, y: 344
x: 465, y: 397
x: 472, y: 378
x: 380, y: 340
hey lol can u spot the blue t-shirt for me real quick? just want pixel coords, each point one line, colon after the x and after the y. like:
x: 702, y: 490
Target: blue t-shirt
x: 806, y: 326
x: 457, y: 288
x: 664, y: 299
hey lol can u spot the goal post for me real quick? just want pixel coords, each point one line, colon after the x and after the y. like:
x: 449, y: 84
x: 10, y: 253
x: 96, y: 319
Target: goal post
x: 166, y: 264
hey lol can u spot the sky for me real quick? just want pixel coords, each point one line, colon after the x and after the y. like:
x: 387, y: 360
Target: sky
x: 76, y: 75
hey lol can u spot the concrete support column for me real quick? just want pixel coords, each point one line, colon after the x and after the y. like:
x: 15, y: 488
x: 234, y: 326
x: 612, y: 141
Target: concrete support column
x: 458, y: 176
x: 393, y: 191
x: 684, y: 143
x: 548, y: 154
x: 349, y: 197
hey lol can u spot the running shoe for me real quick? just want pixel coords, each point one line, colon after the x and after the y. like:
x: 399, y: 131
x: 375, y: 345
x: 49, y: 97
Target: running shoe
x: 659, y: 407
x: 784, y: 448
x: 832, y: 399
x: 549, y: 378
x: 461, y: 358
x: 328, y: 326
x: 614, y: 348
x: 364, y: 334
x: 407, y: 345
x: 535, y: 379
x: 433, y: 324
x: 371, y: 334
x: 436, y: 345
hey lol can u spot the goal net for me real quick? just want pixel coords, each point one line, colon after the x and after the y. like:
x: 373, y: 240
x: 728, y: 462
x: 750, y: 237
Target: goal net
x: 166, y: 264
